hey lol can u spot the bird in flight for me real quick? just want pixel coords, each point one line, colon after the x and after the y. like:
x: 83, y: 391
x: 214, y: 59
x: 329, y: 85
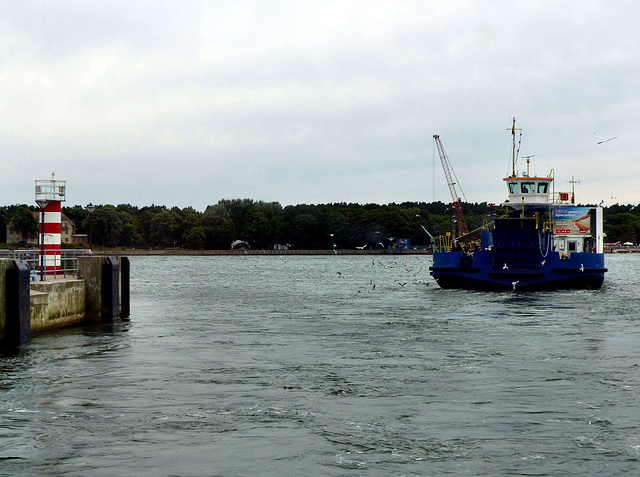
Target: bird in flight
x: 607, y: 140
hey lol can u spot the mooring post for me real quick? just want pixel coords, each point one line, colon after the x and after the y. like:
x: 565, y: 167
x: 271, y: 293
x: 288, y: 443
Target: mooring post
x: 18, y: 294
x: 125, y: 288
x: 110, y: 289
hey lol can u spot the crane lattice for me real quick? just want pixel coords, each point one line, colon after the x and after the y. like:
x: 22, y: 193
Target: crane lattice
x: 457, y: 202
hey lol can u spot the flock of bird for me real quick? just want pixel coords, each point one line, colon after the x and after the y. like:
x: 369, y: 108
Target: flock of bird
x: 407, y: 272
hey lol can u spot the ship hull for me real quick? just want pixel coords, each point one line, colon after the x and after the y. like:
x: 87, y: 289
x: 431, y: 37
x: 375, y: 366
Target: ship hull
x: 481, y: 271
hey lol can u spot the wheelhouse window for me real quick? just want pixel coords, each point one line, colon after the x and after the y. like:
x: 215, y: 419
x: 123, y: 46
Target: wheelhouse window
x: 528, y: 187
x: 542, y: 187
x: 513, y: 187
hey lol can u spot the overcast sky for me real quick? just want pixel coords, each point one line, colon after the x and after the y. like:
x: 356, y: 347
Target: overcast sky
x: 187, y: 102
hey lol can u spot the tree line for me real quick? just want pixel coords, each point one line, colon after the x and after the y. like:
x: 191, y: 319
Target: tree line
x: 265, y: 225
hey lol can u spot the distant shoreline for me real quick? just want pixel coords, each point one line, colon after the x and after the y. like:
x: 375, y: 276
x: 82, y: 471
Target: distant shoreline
x: 186, y: 253
x: 622, y: 249
x: 138, y: 252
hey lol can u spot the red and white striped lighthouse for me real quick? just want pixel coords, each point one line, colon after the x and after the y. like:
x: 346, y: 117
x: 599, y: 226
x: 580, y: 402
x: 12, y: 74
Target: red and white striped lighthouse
x: 49, y: 196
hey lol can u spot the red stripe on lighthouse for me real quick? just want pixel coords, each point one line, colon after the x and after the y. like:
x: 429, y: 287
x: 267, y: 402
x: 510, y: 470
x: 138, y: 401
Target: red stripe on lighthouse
x: 54, y: 206
x: 52, y: 229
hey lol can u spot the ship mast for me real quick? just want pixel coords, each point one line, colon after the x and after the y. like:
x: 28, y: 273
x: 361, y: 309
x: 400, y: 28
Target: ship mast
x: 513, y: 150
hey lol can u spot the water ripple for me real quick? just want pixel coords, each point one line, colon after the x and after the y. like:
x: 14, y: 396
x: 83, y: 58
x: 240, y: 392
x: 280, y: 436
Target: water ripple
x: 330, y: 366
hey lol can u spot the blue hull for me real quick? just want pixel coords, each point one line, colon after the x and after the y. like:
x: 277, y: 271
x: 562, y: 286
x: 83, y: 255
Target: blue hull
x: 481, y: 271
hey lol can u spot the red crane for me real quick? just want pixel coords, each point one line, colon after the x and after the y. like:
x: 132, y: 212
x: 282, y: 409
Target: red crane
x: 457, y: 202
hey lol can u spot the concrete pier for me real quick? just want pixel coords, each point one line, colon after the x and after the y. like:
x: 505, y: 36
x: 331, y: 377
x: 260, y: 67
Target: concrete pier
x: 94, y: 295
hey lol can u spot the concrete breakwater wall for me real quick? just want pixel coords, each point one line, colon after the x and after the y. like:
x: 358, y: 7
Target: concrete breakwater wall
x: 99, y: 292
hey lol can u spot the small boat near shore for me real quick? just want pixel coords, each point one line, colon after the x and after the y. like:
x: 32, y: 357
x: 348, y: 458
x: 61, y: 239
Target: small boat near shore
x: 545, y: 242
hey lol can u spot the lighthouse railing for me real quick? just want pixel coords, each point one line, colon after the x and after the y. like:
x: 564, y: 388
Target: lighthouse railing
x: 67, y: 259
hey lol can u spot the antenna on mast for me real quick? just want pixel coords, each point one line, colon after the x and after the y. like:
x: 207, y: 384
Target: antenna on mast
x: 528, y: 158
x: 573, y: 183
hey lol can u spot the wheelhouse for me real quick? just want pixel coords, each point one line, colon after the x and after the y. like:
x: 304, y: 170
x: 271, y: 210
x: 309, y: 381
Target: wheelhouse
x: 529, y: 190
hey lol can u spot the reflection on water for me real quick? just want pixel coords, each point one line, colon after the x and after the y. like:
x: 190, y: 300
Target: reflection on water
x: 329, y: 365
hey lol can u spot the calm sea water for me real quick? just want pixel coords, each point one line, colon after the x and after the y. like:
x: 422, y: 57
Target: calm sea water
x: 331, y: 365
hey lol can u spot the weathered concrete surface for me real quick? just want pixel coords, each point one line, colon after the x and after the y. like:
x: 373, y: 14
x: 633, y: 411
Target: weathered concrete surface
x: 56, y: 303
x: 90, y: 270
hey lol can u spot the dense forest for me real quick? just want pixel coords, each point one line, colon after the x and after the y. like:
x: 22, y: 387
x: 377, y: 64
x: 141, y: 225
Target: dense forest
x: 267, y: 224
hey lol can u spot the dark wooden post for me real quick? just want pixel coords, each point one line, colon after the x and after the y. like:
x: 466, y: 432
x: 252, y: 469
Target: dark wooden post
x: 110, y: 289
x: 125, y: 287
x: 18, y: 325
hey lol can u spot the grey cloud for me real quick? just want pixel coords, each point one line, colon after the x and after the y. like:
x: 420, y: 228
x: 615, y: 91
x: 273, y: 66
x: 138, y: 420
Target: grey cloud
x: 187, y: 103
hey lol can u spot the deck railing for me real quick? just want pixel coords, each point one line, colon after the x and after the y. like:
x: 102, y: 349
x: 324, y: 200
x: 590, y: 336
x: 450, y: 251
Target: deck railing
x: 443, y: 243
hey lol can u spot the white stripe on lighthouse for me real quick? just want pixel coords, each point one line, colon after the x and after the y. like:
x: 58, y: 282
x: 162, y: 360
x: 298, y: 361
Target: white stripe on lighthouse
x: 52, y: 239
x: 52, y: 217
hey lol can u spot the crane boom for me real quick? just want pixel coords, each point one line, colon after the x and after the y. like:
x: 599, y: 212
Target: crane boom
x: 457, y: 202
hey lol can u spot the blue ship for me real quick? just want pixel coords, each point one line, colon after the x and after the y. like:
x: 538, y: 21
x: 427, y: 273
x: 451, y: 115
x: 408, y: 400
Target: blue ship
x: 545, y: 242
